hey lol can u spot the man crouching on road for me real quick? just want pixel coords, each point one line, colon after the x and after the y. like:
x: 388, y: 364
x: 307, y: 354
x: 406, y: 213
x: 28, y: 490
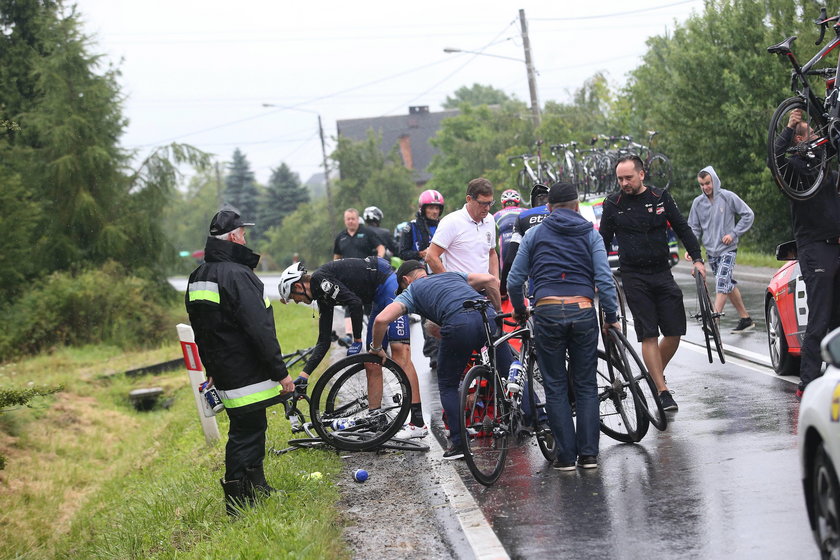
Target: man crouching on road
x: 234, y: 329
x: 440, y: 298
x: 566, y: 261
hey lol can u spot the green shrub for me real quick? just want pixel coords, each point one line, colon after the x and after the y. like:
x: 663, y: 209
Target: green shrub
x: 104, y: 305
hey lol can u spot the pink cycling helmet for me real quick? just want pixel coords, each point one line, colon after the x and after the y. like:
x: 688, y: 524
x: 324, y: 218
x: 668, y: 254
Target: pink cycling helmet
x: 430, y: 197
x: 511, y: 197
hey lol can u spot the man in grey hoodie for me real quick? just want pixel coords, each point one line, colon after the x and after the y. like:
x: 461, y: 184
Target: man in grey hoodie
x: 712, y: 219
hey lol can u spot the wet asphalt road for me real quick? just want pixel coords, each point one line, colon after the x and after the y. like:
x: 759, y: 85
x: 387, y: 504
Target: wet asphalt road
x: 722, y: 481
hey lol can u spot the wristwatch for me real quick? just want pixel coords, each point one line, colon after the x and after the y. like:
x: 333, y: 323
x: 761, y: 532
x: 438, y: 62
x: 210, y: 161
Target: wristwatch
x: 373, y: 348
x: 701, y: 261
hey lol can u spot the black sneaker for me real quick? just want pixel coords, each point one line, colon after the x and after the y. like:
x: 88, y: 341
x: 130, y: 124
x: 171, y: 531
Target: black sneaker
x: 559, y: 465
x: 744, y: 325
x: 668, y: 402
x: 587, y: 462
x: 454, y: 452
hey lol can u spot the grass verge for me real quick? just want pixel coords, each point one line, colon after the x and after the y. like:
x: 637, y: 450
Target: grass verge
x: 90, y: 477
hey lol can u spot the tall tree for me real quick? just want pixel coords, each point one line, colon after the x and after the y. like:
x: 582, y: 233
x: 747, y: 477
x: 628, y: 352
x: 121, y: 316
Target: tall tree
x: 477, y: 94
x: 241, y: 188
x: 283, y: 194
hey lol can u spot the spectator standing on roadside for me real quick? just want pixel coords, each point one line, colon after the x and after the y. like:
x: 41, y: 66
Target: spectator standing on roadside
x: 639, y: 216
x: 440, y: 298
x: 466, y: 238
x: 355, y: 242
x: 712, y: 219
x: 414, y: 243
x: 816, y: 228
x: 234, y: 329
x: 565, y: 260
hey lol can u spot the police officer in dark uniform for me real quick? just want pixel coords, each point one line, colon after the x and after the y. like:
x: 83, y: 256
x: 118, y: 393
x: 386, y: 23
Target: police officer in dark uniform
x: 234, y: 330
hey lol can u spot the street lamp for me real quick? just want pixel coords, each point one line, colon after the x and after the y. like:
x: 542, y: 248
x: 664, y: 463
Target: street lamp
x: 529, y: 65
x: 324, y: 159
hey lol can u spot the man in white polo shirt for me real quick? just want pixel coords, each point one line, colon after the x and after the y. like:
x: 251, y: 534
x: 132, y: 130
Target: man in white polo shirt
x: 465, y: 240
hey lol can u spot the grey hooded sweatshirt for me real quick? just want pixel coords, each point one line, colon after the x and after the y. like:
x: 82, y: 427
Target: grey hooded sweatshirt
x: 712, y: 218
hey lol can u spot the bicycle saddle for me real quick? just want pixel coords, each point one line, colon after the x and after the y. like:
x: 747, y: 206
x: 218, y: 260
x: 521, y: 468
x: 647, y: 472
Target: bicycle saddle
x: 783, y: 47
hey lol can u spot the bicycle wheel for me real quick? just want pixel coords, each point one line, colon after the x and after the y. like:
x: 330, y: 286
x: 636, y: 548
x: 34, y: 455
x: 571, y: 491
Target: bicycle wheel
x: 340, y: 406
x: 485, y: 424
x: 536, y: 399
x: 798, y: 170
x: 709, y: 320
x: 659, y: 171
x: 620, y: 417
x: 649, y: 401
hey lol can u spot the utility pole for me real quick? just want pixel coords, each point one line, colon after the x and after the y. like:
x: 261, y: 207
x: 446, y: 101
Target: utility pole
x: 529, y: 65
x: 330, y: 214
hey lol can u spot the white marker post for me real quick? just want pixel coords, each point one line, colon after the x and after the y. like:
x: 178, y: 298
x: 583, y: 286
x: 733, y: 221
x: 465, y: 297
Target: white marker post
x: 196, y: 377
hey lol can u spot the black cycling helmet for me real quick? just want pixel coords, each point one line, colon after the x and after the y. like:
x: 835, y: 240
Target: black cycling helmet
x: 538, y: 190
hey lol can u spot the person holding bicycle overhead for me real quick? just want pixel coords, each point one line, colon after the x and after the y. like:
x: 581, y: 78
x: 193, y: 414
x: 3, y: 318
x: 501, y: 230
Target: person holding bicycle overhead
x: 440, y: 298
x: 565, y: 260
x: 816, y: 229
x: 712, y: 219
x: 354, y: 283
x: 639, y: 216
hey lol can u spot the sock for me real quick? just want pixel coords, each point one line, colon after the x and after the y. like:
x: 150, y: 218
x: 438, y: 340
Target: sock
x: 417, y: 414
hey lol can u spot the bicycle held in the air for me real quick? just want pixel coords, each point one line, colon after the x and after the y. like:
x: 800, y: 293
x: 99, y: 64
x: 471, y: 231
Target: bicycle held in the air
x: 799, y: 169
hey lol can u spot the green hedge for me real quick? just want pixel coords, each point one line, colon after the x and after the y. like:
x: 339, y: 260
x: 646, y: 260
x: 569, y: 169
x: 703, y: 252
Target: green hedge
x: 104, y: 305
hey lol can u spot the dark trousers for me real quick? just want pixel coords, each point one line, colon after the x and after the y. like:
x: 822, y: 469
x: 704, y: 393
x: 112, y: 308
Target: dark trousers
x: 820, y: 266
x: 246, y: 442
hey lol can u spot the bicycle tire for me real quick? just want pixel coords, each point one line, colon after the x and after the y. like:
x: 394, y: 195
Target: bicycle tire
x: 659, y: 171
x: 709, y: 324
x: 487, y: 439
x: 537, y: 400
x: 794, y: 185
x: 620, y: 417
x: 649, y: 401
x: 341, y: 393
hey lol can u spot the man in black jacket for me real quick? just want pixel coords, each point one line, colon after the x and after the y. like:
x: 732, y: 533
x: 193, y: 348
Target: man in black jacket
x: 639, y: 217
x: 816, y: 228
x: 234, y: 329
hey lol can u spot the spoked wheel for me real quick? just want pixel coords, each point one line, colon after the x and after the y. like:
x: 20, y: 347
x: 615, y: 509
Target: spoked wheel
x: 659, y: 171
x: 341, y: 402
x: 485, y: 425
x: 649, y: 401
x: 708, y: 319
x: 798, y: 169
x: 621, y: 417
x: 622, y: 306
x: 536, y: 401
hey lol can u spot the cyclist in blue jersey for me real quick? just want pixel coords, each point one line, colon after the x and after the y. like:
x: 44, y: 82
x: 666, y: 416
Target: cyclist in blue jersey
x: 525, y: 220
x: 505, y: 218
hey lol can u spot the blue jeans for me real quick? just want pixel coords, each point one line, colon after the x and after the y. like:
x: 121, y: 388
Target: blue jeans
x: 462, y: 335
x: 558, y: 329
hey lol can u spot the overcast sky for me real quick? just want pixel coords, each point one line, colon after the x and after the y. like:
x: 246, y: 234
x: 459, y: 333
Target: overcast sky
x: 199, y: 72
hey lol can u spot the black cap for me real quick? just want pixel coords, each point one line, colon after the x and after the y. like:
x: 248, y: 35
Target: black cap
x: 225, y: 221
x: 405, y: 269
x: 562, y: 192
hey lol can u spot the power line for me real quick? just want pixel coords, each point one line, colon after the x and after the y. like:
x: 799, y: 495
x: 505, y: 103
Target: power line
x: 616, y: 14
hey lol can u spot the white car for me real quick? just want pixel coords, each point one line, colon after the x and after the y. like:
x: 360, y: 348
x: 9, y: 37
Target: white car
x: 819, y: 450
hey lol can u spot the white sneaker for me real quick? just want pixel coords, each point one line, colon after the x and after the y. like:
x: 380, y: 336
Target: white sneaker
x: 410, y: 431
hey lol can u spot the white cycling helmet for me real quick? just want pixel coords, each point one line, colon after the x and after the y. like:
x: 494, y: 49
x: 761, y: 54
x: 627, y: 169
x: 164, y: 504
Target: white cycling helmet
x: 511, y: 197
x: 372, y: 214
x: 291, y: 275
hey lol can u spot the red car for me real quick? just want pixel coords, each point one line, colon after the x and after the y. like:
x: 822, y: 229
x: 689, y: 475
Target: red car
x: 786, y: 312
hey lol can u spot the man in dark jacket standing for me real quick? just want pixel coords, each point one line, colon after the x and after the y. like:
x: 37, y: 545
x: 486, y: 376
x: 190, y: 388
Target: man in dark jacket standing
x: 639, y: 217
x: 566, y: 260
x: 234, y: 329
